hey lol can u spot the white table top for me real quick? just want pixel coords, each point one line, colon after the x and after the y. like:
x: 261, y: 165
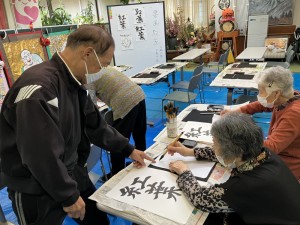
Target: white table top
x: 252, y: 53
x: 163, y: 73
x: 139, y: 215
x: 191, y: 55
x: 239, y: 83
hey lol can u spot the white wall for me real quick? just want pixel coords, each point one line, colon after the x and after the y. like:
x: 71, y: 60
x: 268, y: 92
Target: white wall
x: 296, y: 14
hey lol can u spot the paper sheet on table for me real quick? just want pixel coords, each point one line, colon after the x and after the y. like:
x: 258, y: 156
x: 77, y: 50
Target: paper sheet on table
x: 197, y: 131
x: 153, y: 190
x: 201, y: 169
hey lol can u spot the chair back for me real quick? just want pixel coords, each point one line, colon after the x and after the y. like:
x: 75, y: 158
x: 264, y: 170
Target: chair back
x: 198, y: 69
x: 225, y: 62
x: 286, y: 65
x: 195, y: 82
x: 108, y: 116
x: 289, y: 56
x: 222, y: 59
x: 289, y: 48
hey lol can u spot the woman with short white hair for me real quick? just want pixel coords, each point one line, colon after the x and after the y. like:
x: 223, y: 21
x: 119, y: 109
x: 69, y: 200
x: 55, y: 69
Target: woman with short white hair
x: 261, y: 188
x: 276, y: 95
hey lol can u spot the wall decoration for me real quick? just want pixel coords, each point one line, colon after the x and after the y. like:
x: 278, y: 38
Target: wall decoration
x: 26, y: 12
x: 3, y: 18
x: 22, y: 54
x: 3, y: 83
x: 153, y: 190
x: 58, y: 41
x: 280, y: 12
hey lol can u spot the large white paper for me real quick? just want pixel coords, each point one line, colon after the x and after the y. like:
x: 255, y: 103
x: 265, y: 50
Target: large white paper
x: 153, y: 190
x: 197, y: 131
x: 200, y: 169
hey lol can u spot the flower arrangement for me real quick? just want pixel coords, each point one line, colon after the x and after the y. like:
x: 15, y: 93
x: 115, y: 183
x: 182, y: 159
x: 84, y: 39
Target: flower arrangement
x: 191, y: 36
x: 192, y: 39
x: 172, y: 27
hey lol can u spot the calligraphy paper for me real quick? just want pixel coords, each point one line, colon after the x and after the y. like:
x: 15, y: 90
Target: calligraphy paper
x: 197, y: 131
x: 201, y: 169
x: 153, y: 190
x: 123, y: 22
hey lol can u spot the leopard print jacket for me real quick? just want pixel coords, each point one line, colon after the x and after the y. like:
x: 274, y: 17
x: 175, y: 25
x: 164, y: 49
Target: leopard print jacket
x: 209, y: 199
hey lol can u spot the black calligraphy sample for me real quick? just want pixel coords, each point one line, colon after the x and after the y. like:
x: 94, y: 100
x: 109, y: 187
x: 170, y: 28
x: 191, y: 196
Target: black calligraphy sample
x: 143, y: 183
x: 122, y: 21
x: 160, y: 189
x: 130, y: 191
x: 197, y: 132
x: 139, y: 16
x: 156, y: 189
x: 140, y: 30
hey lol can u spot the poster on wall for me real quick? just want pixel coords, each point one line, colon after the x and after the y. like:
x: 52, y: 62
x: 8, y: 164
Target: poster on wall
x: 3, y: 84
x: 58, y: 41
x: 280, y: 12
x: 22, y: 53
x: 26, y: 12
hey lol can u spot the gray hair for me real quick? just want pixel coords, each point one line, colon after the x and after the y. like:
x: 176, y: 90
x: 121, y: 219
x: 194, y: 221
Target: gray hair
x: 91, y: 36
x: 277, y: 78
x: 238, y: 136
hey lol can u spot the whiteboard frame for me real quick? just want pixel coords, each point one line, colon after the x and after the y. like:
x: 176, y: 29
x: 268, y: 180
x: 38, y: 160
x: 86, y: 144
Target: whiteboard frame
x: 133, y: 71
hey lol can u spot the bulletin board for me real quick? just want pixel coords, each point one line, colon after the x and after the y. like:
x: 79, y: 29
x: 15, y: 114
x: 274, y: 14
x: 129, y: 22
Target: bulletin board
x: 139, y: 34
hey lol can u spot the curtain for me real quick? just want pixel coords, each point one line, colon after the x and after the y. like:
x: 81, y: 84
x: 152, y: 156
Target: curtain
x: 197, y: 10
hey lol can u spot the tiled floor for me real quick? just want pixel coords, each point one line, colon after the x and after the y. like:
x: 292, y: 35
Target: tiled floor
x: 154, y: 95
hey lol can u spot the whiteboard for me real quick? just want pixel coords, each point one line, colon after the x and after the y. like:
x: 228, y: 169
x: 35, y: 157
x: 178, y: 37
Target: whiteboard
x: 139, y: 34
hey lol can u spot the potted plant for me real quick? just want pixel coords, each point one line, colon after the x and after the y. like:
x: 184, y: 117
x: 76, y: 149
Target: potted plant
x: 125, y: 2
x: 172, y: 29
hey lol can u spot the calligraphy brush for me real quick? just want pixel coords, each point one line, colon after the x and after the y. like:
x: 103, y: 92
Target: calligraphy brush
x: 175, y: 140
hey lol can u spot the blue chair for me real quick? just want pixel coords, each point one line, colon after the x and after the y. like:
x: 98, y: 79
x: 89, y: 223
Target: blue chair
x: 188, y: 96
x: 184, y: 85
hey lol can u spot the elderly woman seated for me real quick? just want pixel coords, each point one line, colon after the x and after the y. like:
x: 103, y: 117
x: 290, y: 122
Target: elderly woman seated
x: 276, y: 94
x: 261, y: 189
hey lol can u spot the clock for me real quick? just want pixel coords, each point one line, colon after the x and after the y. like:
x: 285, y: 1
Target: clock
x: 227, y: 26
x: 225, y: 46
x: 224, y: 4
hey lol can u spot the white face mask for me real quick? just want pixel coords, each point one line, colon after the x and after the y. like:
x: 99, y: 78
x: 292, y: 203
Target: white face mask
x: 91, y: 77
x: 221, y: 160
x: 263, y: 101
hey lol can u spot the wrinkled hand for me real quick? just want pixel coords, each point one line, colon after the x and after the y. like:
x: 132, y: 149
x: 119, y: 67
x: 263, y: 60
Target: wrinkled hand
x: 77, y: 210
x: 138, y: 157
x: 223, y: 112
x: 180, y: 148
x: 178, y: 167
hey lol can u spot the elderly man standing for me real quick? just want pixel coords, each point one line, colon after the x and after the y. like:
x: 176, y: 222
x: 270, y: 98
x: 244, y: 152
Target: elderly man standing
x: 276, y: 95
x: 47, y: 124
